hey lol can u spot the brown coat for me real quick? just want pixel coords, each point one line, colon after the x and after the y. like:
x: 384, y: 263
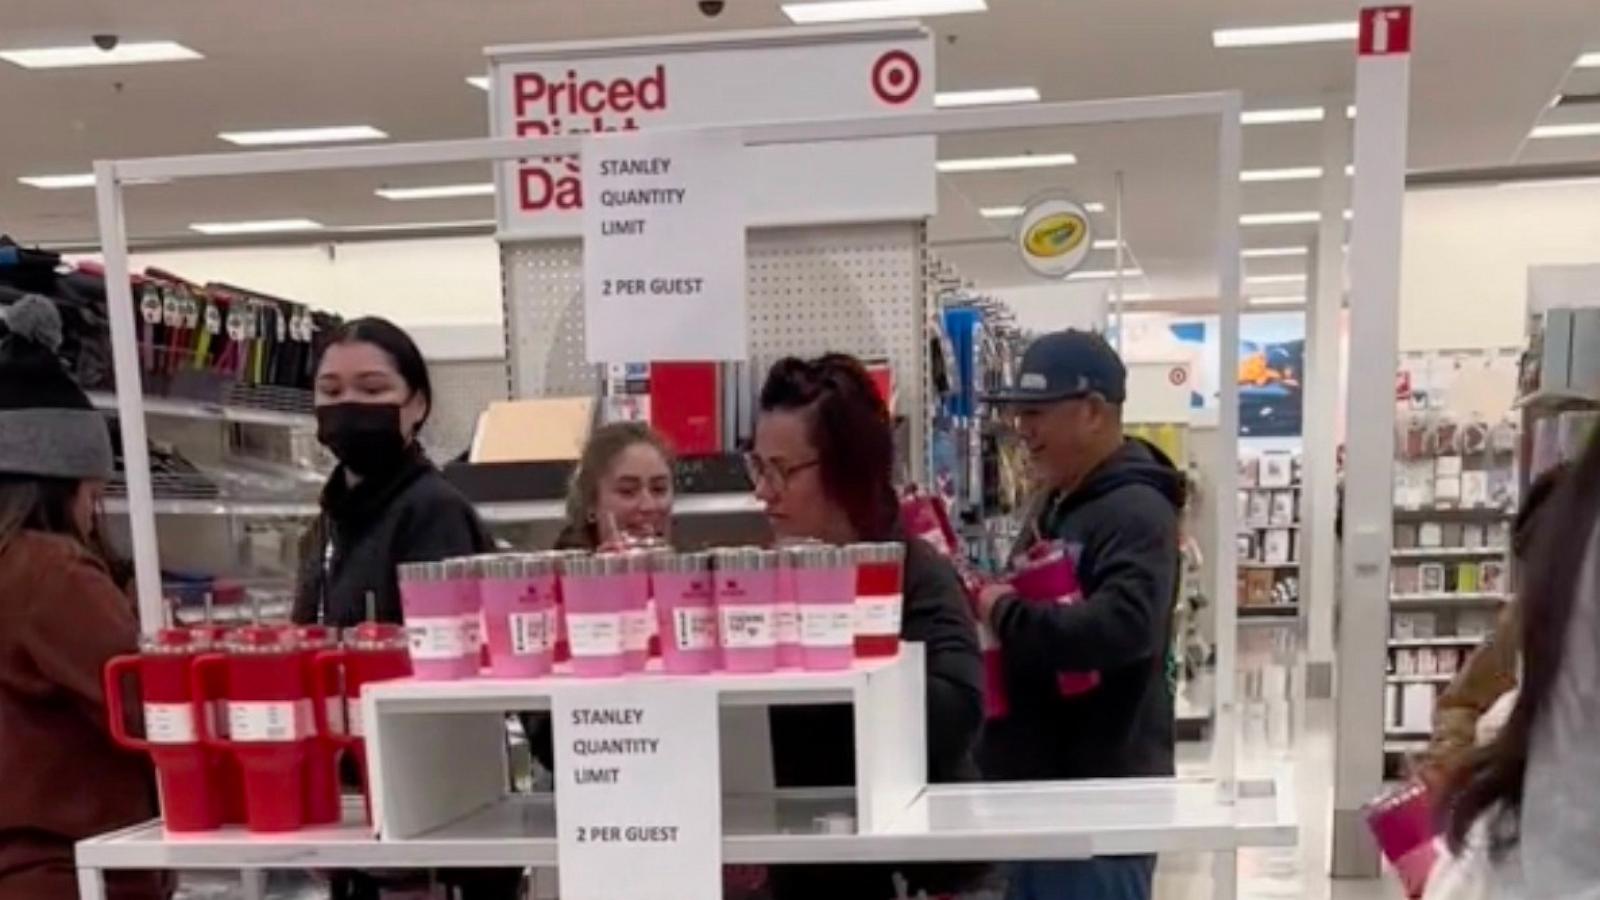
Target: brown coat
x: 61, y: 777
x: 1489, y: 672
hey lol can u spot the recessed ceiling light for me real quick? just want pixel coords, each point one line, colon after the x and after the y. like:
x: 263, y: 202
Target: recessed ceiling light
x: 1590, y: 60
x: 438, y: 191
x: 1271, y: 252
x: 1001, y: 163
x: 1568, y: 130
x: 322, y: 135
x: 1281, y: 218
x: 1286, y: 300
x: 1274, y: 279
x: 123, y: 54
x: 258, y: 226
x: 1280, y: 35
x: 1282, y: 116
x: 481, y: 82
x: 1103, y: 274
x: 986, y: 97
x: 858, y: 10
x: 1301, y: 173
x: 58, y: 182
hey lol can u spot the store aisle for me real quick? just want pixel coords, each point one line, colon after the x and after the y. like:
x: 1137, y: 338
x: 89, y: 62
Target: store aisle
x: 1278, y: 727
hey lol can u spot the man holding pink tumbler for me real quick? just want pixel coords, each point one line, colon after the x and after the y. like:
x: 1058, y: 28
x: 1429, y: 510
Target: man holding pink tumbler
x: 1111, y: 506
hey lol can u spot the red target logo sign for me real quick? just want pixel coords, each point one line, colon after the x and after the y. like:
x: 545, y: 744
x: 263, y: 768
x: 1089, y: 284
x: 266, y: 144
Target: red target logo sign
x: 896, y: 77
x: 1178, y: 375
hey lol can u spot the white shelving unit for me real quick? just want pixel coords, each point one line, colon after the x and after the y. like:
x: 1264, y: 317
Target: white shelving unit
x: 211, y: 412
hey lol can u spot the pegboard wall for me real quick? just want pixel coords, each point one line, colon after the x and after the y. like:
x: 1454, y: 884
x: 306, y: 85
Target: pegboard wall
x: 858, y: 289
x: 461, y: 390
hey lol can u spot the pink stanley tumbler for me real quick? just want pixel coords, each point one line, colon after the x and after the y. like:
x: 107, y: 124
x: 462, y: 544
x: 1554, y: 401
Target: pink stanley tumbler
x: 437, y: 599
x: 637, y: 624
x: 519, y: 614
x: 595, y: 589
x: 786, y: 617
x: 880, y: 585
x: 747, y: 597
x: 825, y: 587
x: 686, y: 612
x: 1403, y: 824
x: 1047, y: 575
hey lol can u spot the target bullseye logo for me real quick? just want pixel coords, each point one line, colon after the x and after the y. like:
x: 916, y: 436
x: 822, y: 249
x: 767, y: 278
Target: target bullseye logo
x: 1178, y: 375
x: 896, y: 77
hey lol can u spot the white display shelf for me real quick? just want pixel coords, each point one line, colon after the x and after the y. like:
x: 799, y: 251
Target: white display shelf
x: 1445, y: 599
x: 1405, y: 746
x: 1402, y: 643
x: 556, y: 510
x: 1275, y: 611
x: 173, y: 506
x: 214, y: 412
x: 976, y: 822
x: 1447, y: 552
x: 1498, y: 512
x: 1275, y: 566
x: 1420, y: 679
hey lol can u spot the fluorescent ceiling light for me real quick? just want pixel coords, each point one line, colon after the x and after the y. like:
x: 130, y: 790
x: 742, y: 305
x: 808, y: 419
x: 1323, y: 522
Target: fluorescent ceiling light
x: 58, y: 182
x: 1590, y: 60
x: 1300, y: 173
x: 1274, y: 279
x: 258, y: 226
x: 985, y: 97
x: 1106, y: 244
x: 1282, y: 116
x: 1001, y: 212
x: 1272, y: 252
x: 1094, y: 206
x: 324, y: 135
x: 1280, y: 35
x: 1288, y: 300
x: 1104, y: 274
x: 1304, y: 217
x: 438, y: 191
x: 858, y: 10
x: 1568, y: 130
x: 481, y: 82
x: 1001, y: 163
x: 416, y: 226
x: 125, y: 53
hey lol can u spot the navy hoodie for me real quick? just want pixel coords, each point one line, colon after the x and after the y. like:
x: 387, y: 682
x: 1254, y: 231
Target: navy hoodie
x: 1121, y: 526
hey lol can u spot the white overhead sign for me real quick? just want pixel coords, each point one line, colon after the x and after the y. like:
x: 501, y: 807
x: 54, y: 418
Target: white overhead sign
x: 731, y: 78
x: 663, y: 247
x: 638, y: 792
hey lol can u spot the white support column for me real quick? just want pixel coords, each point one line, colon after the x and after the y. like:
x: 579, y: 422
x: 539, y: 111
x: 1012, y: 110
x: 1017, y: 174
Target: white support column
x: 1319, y: 499
x: 1382, y: 104
x: 1225, y: 468
x: 130, y: 395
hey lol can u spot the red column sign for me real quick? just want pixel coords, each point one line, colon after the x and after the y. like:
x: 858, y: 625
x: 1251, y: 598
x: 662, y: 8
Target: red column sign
x: 1385, y: 30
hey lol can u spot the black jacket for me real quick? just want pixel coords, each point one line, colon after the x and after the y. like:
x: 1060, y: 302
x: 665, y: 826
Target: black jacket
x: 1121, y: 524
x: 814, y: 746
x: 408, y: 515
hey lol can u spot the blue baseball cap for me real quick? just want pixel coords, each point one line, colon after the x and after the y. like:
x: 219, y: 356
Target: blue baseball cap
x: 1065, y: 365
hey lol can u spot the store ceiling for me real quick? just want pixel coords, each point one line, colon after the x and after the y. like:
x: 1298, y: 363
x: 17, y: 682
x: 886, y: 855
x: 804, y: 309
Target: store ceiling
x: 1483, y: 73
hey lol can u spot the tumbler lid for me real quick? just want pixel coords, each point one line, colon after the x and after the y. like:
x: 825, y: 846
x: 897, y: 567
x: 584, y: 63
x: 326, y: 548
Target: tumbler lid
x: 176, y: 641
x: 316, y: 637
x: 376, y: 636
x: 262, y: 639
x: 682, y: 563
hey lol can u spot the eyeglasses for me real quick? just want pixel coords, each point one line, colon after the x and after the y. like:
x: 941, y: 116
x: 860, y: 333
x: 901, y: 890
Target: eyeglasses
x: 772, y: 473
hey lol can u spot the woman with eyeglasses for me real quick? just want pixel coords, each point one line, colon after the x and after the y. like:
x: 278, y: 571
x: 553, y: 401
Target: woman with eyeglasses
x: 823, y: 464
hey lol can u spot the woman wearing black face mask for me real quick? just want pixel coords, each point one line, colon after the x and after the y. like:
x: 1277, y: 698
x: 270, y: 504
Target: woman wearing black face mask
x: 385, y: 504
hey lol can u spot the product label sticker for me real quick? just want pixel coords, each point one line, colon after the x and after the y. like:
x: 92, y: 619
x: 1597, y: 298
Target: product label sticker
x: 748, y: 627
x: 334, y: 708
x: 595, y: 634
x: 169, y: 723
x: 436, y: 637
x: 827, y: 624
x: 694, y: 628
x: 472, y: 633
x: 358, y: 723
x: 264, y: 720
x: 532, y: 633
x: 786, y: 622
x: 878, y: 616
x: 636, y: 630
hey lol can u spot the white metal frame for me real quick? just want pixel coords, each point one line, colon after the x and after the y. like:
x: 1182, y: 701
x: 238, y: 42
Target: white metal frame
x: 112, y: 176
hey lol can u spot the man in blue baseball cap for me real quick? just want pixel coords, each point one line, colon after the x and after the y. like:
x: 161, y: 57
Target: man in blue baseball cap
x: 1112, y: 503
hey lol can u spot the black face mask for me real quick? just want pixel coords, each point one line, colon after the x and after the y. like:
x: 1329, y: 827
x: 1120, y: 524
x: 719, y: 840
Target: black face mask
x: 364, y: 436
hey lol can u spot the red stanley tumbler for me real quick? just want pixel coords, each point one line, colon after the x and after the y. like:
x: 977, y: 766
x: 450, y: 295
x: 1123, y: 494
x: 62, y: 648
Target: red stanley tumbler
x: 372, y: 651
x: 271, y: 722
x: 189, y: 774
x: 322, y: 752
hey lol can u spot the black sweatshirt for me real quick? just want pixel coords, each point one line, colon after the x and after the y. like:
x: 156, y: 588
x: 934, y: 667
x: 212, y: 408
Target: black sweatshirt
x: 410, y: 514
x: 1121, y: 525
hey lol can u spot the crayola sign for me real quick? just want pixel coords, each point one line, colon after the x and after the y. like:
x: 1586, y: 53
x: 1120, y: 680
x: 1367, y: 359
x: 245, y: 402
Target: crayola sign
x: 1054, y: 237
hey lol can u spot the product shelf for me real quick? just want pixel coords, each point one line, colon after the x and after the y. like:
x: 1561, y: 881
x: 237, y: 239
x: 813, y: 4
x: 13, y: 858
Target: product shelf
x: 1462, y: 641
x: 1448, y: 552
x: 211, y: 412
x: 1446, y: 599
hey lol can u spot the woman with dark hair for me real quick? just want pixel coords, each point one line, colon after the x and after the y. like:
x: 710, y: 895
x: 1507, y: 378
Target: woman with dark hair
x: 1531, y: 798
x: 823, y: 464
x: 621, y: 490
x: 385, y: 504
x: 61, y: 619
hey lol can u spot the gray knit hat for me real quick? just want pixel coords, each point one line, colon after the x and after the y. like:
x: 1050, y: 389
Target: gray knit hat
x: 47, y: 425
